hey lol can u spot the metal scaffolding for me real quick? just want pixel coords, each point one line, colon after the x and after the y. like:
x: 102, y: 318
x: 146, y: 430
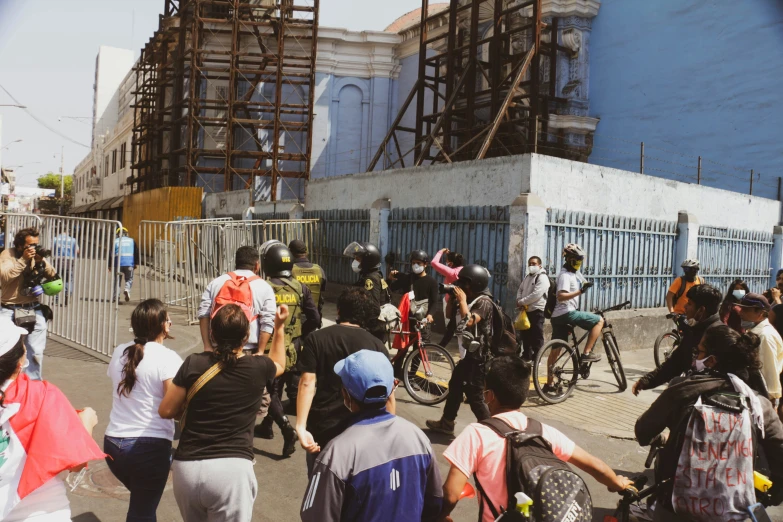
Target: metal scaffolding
x: 486, y: 85
x: 224, y: 97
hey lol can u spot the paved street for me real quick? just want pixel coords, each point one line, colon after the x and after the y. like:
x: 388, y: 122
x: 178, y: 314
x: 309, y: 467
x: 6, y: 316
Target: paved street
x: 597, y: 417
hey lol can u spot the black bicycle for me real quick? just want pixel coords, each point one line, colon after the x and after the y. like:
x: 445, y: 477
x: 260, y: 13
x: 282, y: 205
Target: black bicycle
x: 557, y: 365
x: 667, y: 342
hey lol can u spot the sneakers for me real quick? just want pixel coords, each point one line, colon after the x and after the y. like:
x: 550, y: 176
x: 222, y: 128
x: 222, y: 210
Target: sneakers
x: 290, y: 438
x: 441, y: 426
x: 264, y: 430
x: 549, y: 389
x: 127, y: 296
x: 591, y: 357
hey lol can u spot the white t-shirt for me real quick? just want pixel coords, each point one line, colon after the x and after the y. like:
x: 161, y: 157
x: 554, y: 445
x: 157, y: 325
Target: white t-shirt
x: 137, y: 415
x: 48, y: 503
x: 569, y: 282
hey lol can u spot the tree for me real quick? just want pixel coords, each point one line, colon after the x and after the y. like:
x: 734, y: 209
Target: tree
x: 52, y: 181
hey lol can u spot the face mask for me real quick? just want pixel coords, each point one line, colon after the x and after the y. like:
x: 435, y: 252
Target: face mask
x: 533, y: 270
x: 747, y: 325
x: 25, y: 364
x: 738, y: 294
x: 347, y: 405
x: 690, y: 276
x: 356, y: 266
x: 698, y: 364
x: 691, y: 322
x: 417, y: 269
x: 576, y: 264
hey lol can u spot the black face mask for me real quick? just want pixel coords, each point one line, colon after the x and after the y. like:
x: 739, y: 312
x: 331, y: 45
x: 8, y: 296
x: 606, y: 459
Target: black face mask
x: 690, y: 276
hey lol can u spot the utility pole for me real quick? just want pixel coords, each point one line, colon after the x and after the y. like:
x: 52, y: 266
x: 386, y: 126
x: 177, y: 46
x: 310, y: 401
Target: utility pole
x: 62, y: 178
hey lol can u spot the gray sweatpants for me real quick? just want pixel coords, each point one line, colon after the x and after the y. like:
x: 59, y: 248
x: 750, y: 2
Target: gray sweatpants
x: 215, y: 490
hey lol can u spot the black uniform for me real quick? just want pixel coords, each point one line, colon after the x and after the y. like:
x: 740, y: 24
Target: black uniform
x: 374, y: 284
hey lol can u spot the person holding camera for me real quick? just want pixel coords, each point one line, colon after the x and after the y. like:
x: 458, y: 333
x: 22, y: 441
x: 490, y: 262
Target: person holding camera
x: 24, y: 272
x: 474, y: 336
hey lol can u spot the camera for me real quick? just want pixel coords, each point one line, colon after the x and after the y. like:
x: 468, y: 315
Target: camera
x: 43, y: 252
x: 446, y: 289
x: 33, y: 279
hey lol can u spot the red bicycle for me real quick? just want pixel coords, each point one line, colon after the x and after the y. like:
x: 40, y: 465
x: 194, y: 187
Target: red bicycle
x: 427, y: 369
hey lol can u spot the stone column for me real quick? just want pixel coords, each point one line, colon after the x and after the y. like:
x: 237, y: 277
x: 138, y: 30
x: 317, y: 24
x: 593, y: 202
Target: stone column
x: 379, y: 227
x: 776, y: 256
x: 296, y: 212
x: 687, y: 244
x: 526, y: 238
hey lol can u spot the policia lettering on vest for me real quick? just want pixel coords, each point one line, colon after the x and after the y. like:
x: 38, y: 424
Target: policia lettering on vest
x: 303, y: 316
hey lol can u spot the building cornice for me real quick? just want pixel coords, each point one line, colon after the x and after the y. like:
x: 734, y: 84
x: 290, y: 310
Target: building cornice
x: 573, y: 124
x: 365, y: 54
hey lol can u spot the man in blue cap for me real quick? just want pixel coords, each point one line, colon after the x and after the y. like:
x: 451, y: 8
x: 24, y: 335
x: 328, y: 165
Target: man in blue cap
x: 382, y: 466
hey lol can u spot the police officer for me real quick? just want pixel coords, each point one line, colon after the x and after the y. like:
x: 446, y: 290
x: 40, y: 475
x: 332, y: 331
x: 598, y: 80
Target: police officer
x: 277, y: 264
x: 126, y: 256
x: 307, y: 273
x: 367, y: 263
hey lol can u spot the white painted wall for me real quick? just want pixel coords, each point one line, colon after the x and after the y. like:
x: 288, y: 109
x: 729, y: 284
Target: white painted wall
x: 559, y: 183
x: 111, y: 68
x: 489, y: 182
x: 572, y: 185
x: 227, y: 204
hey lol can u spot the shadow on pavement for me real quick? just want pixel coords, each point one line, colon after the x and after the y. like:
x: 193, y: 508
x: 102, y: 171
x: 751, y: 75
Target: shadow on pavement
x: 86, y: 517
x: 273, y: 456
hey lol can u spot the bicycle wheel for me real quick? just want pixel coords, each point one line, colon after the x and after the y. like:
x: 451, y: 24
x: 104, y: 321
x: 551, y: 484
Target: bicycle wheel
x: 426, y: 373
x: 556, y: 365
x: 665, y: 344
x: 613, y: 354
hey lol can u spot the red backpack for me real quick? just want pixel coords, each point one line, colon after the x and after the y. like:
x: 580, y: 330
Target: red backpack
x: 236, y: 291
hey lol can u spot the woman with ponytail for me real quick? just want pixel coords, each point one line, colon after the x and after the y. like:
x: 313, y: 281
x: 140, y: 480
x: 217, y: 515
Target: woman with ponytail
x: 42, y: 438
x: 725, y: 364
x: 138, y: 440
x: 216, y: 395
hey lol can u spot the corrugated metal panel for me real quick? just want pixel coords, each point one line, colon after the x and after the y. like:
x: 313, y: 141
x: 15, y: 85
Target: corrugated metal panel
x: 629, y: 259
x: 338, y: 228
x: 727, y: 254
x: 162, y: 204
x: 480, y: 234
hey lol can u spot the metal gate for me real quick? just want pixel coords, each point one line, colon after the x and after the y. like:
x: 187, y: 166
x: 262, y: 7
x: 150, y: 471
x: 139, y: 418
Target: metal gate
x: 727, y: 254
x: 85, y: 314
x: 627, y: 258
x: 338, y: 229
x: 480, y: 234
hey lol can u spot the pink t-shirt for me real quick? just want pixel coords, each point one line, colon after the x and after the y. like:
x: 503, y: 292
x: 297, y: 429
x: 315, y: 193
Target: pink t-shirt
x: 480, y: 450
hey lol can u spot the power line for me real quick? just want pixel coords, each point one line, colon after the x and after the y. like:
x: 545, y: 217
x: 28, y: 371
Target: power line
x: 36, y: 118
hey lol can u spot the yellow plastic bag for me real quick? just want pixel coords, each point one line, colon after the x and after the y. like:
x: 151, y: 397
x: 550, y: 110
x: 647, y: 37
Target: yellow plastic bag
x: 522, y: 322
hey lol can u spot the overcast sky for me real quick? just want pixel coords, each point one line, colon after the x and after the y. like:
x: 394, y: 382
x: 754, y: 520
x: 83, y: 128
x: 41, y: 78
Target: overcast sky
x: 47, y: 62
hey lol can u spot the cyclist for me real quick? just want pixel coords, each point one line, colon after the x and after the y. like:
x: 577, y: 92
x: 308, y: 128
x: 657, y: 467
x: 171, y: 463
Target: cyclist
x: 677, y: 295
x: 570, y: 285
x: 367, y: 264
x: 701, y: 312
x: 722, y: 354
x: 424, y: 297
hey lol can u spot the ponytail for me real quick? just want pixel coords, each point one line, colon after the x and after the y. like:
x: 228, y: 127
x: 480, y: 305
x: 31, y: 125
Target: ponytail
x: 230, y: 330
x: 134, y: 354
x: 455, y: 259
x: 148, y: 322
x: 733, y: 351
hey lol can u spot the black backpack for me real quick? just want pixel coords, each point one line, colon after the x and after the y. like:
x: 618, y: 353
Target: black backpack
x: 532, y: 468
x: 551, y: 298
x: 504, y: 340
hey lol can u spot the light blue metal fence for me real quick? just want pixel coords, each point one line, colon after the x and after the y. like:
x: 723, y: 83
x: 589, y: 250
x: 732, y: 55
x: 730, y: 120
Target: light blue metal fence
x: 727, y: 254
x: 480, y: 234
x: 629, y: 259
x: 338, y: 228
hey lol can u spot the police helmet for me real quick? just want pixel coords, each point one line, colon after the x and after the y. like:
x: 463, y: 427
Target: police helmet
x: 276, y: 260
x: 419, y: 255
x: 474, y: 278
x: 368, y: 254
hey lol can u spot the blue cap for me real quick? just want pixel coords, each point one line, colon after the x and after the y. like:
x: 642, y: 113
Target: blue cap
x: 364, y: 370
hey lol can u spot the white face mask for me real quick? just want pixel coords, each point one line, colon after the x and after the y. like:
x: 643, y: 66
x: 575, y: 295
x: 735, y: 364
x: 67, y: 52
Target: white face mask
x: 25, y: 364
x: 417, y: 269
x: 698, y: 364
x: 691, y: 322
x: 533, y: 269
x: 738, y: 294
x: 356, y: 266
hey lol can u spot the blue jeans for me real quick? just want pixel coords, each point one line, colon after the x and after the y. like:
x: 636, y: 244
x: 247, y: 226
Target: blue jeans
x: 142, y: 465
x: 35, y: 343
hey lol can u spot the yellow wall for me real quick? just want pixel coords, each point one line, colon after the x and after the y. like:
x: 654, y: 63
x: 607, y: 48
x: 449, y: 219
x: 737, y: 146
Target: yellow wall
x: 162, y: 204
